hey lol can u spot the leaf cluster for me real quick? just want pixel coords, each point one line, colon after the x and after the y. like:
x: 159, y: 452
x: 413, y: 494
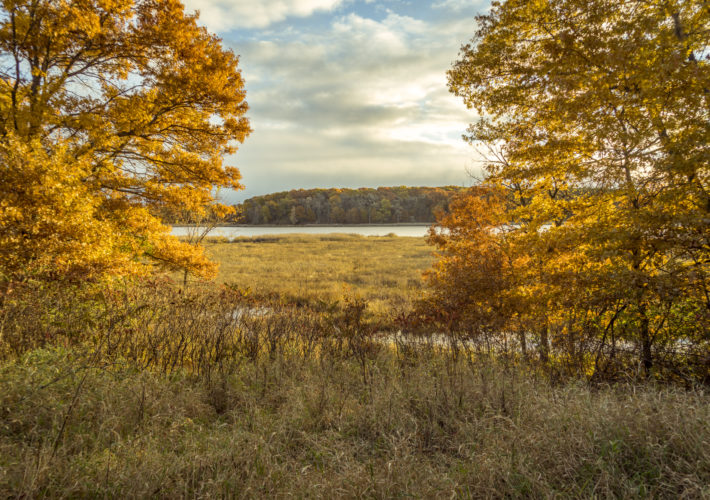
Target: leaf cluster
x: 594, y: 116
x: 128, y: 104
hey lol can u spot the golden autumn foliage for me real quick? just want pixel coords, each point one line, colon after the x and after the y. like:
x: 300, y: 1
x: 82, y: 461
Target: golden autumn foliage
x: 596, y: 117
x: 111, y: 111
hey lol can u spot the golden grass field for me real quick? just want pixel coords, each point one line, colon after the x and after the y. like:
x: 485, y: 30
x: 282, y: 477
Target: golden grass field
x: 159, y: 391
x: 384, y: 270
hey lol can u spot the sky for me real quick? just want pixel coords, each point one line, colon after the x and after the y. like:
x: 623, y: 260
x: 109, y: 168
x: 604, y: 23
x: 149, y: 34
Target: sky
x: 348, y: 93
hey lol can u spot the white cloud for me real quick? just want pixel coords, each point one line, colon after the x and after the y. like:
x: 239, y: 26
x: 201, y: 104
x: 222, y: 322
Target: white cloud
x: 219, y: 15
x: 360, y: 71
x: 457, y: 5
x: 359, y: 102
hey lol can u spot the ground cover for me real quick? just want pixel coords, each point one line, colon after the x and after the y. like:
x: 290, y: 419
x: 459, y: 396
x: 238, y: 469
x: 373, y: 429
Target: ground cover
x: 146, y: 389
x: 288, y: 427
x: 385, y: 271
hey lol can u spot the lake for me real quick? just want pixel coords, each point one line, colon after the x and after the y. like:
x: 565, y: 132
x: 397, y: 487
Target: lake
x: 416, y: 230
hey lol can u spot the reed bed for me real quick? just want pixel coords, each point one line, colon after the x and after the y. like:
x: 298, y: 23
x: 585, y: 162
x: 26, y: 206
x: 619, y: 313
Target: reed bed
x: 155, y: 391
x: 150, y: 389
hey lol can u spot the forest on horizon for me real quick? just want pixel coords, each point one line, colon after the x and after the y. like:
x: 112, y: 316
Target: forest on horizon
x: 383, y: 205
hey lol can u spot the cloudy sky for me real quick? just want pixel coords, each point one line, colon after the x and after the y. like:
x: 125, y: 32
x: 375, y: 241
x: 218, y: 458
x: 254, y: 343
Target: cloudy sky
x: 348, y: 93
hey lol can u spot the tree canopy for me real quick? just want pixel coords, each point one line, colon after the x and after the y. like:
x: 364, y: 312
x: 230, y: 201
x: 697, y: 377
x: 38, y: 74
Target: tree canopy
x: 384, y: 205
x: 594, y: 116
x: 111, y: 111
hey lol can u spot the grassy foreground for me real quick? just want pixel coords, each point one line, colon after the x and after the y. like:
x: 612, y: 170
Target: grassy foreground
x: 282, y: 428
x: 145, y: 390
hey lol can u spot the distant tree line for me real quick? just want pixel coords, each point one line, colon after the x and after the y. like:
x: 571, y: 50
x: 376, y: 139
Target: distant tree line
x: 384, y: 205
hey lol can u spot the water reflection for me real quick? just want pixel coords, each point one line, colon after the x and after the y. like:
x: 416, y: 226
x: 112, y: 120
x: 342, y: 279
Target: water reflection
x: 416, y: 230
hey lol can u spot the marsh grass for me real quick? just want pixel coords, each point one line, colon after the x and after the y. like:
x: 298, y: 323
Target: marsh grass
x: 311, y: 427
x: 151, y: 390
x: 386, y: 271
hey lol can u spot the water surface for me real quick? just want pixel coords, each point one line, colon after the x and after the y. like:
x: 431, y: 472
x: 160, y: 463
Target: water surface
x: 416, y: 230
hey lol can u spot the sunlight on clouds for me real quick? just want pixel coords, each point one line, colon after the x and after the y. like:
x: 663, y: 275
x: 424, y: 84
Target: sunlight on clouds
x: 221, y: 15
x: 393, y: 93
x: 356, y: 99
x: 388, y: 37
x: 442, y: 134
x: 456, y: 5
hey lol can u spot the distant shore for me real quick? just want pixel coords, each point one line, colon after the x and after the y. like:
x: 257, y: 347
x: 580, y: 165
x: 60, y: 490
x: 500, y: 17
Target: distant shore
x: 399, y: 224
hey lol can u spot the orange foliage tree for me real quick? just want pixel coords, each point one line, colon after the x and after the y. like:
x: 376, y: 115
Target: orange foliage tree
x: 596, y: 116
x: 111, y: 111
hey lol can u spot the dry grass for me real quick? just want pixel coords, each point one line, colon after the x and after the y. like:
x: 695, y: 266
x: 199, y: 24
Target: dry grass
x: 312, y: 428
x: 385, y: 271
x: 152, y: 391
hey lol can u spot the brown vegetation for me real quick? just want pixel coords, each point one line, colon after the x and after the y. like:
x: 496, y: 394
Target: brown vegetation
x: 167, y: 393
x: 385, y: 271
x: 560, y: 350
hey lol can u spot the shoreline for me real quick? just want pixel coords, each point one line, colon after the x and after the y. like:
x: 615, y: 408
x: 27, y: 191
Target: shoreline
x: 400, y: 224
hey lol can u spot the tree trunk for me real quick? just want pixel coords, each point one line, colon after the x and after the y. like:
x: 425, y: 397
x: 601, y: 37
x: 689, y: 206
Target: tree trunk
x: 523, y: 342
x: 644, y: 332
x: 544, y: 344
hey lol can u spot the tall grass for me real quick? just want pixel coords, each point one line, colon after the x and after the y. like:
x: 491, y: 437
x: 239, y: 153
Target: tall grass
x: 314, y: 428
x: 151, y: 390
x: 386, y: 271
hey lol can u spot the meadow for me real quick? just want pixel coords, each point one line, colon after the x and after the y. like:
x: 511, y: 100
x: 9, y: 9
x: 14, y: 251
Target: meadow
x: 385, y: 271
x: 281, y: 384
x: 288, y: 427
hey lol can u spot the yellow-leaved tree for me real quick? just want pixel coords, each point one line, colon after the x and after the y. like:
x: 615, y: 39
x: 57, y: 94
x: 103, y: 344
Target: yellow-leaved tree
x: 111, y: 111
x: 597, y: 116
